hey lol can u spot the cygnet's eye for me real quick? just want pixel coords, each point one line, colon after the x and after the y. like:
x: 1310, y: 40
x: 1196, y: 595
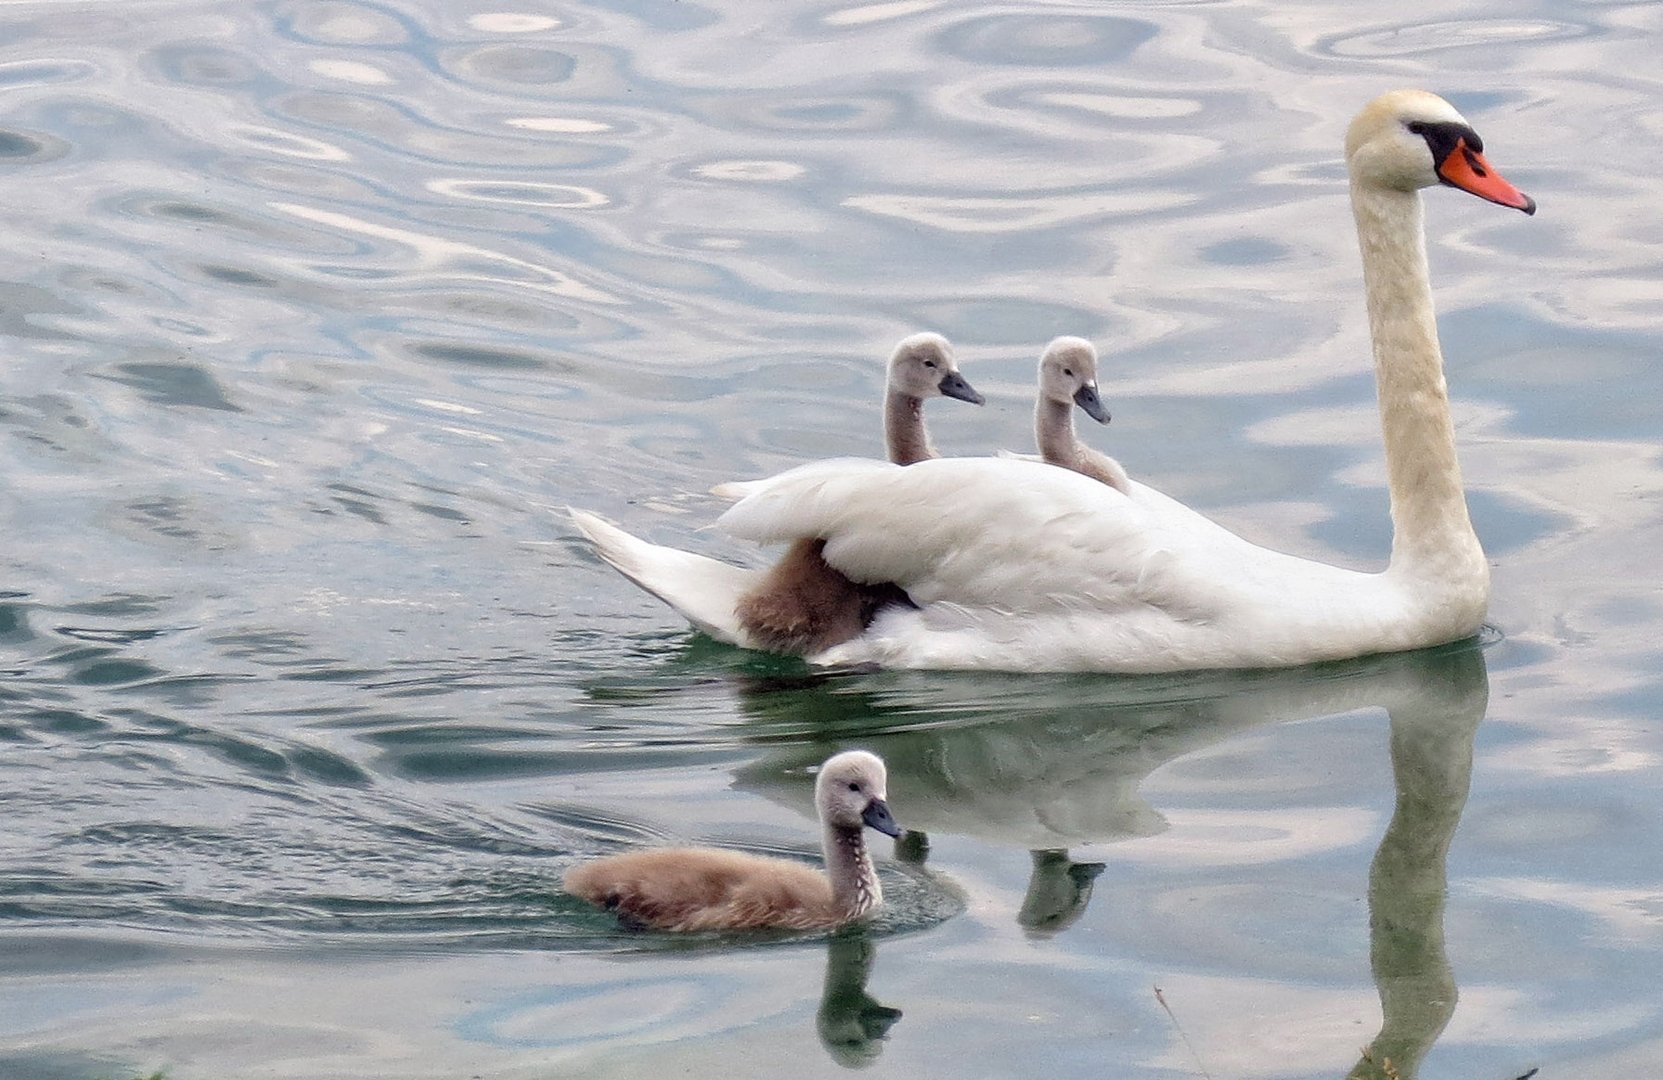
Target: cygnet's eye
x: 854, y: 786
x: 929, y: 363
x: 1069, y: 372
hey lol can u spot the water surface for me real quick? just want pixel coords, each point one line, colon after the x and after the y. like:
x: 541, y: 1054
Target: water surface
x: 317, y: 314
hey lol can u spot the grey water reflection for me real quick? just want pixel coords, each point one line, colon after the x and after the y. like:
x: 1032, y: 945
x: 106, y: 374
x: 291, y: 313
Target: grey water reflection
x: 1432, y: 750
x: 1049, y: 777
x: 851, y: 1023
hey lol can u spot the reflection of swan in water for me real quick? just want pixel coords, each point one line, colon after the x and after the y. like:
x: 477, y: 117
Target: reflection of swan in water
x: 852, y: 1025
x: 1076, y: 765
x: 1051, y: 763
x: 1431, y: 747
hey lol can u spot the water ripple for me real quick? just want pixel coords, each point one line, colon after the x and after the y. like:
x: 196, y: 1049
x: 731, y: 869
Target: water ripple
x: 1415, y: 39
x: 1046, y: 40
x: 319, y: 314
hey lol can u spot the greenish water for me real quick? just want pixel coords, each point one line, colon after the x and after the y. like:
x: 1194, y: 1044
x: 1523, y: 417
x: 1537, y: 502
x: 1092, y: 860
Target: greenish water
x: 316, y: 315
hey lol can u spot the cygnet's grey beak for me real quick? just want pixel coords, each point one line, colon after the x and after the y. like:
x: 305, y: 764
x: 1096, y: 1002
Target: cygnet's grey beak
x: 877, y: 816
x: 1086, y: 398
x: 953, y: 385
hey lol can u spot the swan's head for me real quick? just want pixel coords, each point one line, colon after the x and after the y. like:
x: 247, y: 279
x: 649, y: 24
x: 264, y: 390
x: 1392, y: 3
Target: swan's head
x: 1410, y: 139
x: 850, y: 792
x: 922, y: 366
x: 1068, y: 372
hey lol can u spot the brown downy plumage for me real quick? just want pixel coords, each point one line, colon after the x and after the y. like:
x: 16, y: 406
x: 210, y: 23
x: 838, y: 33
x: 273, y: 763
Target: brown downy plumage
x: 687, y: 889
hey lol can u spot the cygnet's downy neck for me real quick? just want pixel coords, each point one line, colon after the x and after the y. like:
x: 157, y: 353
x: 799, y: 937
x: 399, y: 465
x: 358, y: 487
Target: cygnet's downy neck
x: 1431, y: 532
x: 1054, y: 433
x: 1058, y: 445
x: 903, y: 425
x: 854, y: 880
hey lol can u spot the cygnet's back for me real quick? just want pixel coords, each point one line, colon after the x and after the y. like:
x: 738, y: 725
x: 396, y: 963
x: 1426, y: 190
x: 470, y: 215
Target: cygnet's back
x: 711, y: 889
x: 1068, y: 378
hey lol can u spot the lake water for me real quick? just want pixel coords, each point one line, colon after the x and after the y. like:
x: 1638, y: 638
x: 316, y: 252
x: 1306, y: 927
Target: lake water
x: 316, y: 315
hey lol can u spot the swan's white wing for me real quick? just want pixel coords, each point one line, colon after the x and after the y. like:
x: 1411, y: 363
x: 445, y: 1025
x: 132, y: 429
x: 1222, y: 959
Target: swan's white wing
x: 983, y: 534
x: 702, y: 590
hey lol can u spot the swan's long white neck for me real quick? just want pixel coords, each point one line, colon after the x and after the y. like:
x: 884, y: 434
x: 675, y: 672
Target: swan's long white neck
x: 854, y: 880
x: 903, y: 426
x: 1432, y: 537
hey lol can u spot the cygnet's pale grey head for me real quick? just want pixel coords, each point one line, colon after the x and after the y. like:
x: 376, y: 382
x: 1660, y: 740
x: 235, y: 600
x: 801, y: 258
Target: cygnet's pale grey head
x: 1409, y: 139
x: 851, y: 791
x: 922, y: 366
x: 1068, y: 372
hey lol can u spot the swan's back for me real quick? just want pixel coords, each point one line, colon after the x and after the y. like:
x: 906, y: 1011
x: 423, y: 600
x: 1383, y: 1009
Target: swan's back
x: 689, y: 889
x: 1018, y: 565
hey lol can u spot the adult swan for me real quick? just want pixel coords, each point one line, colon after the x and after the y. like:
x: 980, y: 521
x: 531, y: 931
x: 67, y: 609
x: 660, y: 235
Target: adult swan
x: 1023, y: 566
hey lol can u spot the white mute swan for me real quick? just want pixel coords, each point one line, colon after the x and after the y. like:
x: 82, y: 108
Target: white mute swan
x: 1068, y: 377
x: 1021, y: 566
x: 712, y: 889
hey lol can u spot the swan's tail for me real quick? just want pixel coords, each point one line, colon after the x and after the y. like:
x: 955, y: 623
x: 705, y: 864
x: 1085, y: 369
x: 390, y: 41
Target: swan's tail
x: 703, y: 591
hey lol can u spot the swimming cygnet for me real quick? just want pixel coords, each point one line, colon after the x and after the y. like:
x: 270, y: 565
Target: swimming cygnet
x: 712, y: 889
x: 803, y: 605
x: 1068, y: 377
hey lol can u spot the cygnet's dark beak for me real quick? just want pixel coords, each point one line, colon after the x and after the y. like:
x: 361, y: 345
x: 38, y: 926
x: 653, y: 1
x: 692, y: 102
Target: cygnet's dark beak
x: 953, y: 385
x: 877, y: 816
x: 1086, y: 398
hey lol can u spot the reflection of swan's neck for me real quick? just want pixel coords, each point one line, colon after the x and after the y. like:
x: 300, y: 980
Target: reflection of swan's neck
x: 903, y: 426
x: 854, y: 881
x: 1432, y: 535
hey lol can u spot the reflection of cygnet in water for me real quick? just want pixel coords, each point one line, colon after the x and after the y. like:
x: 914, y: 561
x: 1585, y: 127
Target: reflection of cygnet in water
x: 712, y: 889
x: 1058, y: 890
x: 851, y: 1023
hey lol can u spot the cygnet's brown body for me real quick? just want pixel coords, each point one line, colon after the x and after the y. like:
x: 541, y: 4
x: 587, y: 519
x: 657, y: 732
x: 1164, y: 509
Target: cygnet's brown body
x: 689, y: 889
x: 1068, y: 377
x: 803, y: 605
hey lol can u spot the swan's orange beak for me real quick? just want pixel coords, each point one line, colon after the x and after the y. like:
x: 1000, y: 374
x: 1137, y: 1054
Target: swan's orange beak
x: 1466, y: 169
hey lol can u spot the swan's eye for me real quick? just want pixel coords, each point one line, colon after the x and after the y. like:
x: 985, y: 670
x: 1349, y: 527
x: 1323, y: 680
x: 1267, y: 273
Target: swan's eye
x: 853, y: 786
x: 929, y: 363
x: 1069, y: 372
x: 1417, y: 128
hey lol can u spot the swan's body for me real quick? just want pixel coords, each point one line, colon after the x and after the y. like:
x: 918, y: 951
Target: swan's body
x: 1068, y: 377
x: 711, y: 889
x: 1021, y: 566
x: 802, y: 605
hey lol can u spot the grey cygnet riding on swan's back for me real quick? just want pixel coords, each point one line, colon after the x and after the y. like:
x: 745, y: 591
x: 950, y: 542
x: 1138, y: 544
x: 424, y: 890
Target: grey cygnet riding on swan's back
x: 803, y: 605
x: 1068, y: 377
x: 1020, y: 566
x: 922, y: 366
x: 713, y: 889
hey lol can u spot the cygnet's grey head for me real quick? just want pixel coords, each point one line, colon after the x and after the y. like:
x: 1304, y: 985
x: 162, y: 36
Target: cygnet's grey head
x: 922, y: 366
x: 1068, y: 372
x: 851, y: 791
